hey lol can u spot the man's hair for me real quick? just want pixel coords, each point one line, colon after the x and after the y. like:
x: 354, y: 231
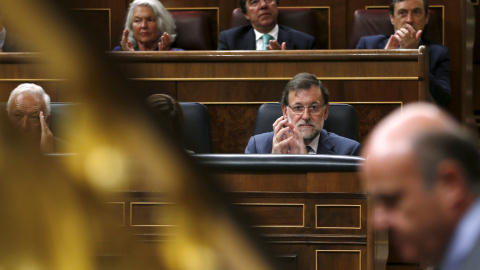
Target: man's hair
x: 243, y: 5
x: 165, y: 22
x: 168, y: 112
x: 30, y: 88
x: 392, y: 6
x: 303, y: 81
x: 432, y: 148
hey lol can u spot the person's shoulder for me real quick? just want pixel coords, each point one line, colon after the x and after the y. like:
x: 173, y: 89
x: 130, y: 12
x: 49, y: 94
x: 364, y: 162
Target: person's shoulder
x: 372, y: 40
x: 237, y: 30
x: 335, y: 137
x: 262, y: 136
x: 293, y: 31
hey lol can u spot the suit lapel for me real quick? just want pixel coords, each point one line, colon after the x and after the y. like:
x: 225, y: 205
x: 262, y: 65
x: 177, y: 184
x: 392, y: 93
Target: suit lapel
x: 283, y: 36
x: 325, y: 146
x: 248, y: 40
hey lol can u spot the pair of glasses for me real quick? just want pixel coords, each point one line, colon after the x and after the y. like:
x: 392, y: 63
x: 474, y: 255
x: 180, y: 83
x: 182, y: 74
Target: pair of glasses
x: 312, y: 109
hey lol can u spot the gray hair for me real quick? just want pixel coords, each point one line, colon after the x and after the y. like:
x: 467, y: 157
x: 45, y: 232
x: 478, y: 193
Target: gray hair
x: 303, y: 81
x: 30, y: 88
x: 164, y: 19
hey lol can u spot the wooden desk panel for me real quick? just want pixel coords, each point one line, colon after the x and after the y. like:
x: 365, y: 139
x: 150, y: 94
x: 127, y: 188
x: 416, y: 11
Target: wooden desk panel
x: 234, y: 83
x: 306, y: 230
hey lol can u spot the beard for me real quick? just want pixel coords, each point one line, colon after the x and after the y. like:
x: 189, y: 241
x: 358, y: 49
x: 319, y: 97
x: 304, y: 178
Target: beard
x: 310, y: 129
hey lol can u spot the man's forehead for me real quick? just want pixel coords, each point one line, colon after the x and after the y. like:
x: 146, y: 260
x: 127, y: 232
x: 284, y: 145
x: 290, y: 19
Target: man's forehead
x: 28, y: 99
x: 414, y: 4
x: 313, y: 91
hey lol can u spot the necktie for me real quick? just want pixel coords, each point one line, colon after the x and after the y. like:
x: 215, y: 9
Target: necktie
x: 310, y: 150
x: 266, y: 38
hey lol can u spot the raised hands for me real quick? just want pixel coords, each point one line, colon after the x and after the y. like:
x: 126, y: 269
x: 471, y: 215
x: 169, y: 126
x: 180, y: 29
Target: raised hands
x: 274, y: 45
x: 404, y: 38
x: 165, y: 42
x: 46, y: 137
x: 125, y: 43
x: 286, y: 138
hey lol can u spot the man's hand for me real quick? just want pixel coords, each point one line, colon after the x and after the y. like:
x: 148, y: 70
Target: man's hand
x: 126, y: 44
x: 281, y: 136
x: 46, y: 138
x: 297, y: 145
x: 405, y: 38
x: 165, y: 42
x: 274, y: 45
x: 286, y: 138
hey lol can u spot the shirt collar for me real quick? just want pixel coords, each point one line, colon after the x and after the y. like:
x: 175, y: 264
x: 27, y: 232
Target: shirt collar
x: 273, y: 33
x: 463, y: 240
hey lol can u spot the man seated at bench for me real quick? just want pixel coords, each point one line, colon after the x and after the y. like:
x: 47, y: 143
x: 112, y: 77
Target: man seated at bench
x: 28, y: 108
x: 409, y: 18
x: 264, y: 33
x: 300, y: 129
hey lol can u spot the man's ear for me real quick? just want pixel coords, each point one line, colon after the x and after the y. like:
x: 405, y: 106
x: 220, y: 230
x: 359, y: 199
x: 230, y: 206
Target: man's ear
x: 327, y: 111
x: 284, y: 111
x: 246, y: 16
x: 452, y: 184
x: 392, y: 19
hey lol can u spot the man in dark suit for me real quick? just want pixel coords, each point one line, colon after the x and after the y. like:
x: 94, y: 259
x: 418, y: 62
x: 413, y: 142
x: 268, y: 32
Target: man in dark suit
x: 409, y: 18
x: 264, y: 33
x: 422, y: 172
x: 300, y: 129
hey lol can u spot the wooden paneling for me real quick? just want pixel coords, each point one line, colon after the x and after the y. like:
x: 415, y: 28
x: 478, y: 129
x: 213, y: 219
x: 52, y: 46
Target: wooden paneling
x: 339, y: 26
x: 304, y: 230
x: 233, y: 84
x: 97, y: 22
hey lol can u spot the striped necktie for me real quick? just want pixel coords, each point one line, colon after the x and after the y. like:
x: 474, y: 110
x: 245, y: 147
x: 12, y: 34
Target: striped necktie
x: 310, y: 150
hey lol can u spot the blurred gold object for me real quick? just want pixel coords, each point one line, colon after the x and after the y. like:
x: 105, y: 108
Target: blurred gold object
x: 53, y: 207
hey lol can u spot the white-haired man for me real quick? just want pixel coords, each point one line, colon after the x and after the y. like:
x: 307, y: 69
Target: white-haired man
x: 28, y: 108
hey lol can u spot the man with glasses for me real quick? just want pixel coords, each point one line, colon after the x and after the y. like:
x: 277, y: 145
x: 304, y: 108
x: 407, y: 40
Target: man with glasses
x: 263, y: 33
x: 300, y: 129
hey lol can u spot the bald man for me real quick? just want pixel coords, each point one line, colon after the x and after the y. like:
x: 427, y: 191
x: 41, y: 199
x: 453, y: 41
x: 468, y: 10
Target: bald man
x: 422, y: 172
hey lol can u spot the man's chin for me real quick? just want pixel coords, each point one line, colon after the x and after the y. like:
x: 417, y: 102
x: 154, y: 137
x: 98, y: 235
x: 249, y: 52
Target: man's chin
x: 309, y: 135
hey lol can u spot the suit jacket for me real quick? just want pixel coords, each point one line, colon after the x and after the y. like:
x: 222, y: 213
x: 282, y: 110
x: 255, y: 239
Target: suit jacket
x: 329, y: 144
x: 243, y: 38
x: 439, y: 57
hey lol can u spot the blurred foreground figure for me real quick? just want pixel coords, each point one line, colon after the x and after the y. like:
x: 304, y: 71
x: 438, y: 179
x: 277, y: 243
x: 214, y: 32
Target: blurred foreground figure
x: 422, y: 172
x: 28, y: 108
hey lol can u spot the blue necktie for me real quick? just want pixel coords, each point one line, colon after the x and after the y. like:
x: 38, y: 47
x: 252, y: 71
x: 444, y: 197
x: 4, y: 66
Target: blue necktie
x: 265, y: 39
x: 310, y: 150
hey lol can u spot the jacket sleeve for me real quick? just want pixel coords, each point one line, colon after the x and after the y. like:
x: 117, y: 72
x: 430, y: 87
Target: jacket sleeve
x: 251, y: 147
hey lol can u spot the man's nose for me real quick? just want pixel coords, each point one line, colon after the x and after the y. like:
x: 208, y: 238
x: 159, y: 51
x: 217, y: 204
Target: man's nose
x: 22, y: 123
x: 409, y: 18
x: 306, y: 114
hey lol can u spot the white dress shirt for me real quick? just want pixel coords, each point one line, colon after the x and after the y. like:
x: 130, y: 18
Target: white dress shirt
x: 258, y: 37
